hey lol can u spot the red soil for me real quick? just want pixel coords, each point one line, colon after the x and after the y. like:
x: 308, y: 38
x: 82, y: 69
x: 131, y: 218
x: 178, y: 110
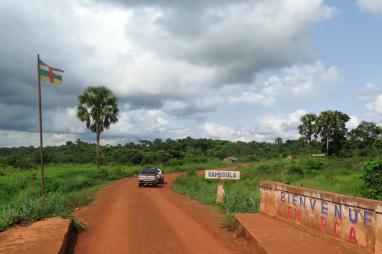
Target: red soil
x: 128, y: 219
x: 43, y: 237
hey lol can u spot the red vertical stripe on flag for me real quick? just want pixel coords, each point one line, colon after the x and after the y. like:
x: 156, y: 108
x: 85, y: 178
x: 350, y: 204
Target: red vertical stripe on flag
x: 51, y: 76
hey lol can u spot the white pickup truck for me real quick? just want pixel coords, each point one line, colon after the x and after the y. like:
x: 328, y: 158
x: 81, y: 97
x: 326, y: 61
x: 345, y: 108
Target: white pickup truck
x: 150, y: 176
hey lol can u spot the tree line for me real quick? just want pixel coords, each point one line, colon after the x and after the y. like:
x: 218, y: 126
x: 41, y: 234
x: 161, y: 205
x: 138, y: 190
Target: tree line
x: 167, y: 152
x: 329, y: 129
x: 98, y: 108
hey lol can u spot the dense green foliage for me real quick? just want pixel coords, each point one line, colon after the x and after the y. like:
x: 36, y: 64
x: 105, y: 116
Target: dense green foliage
x: 317, y: 132
x: 372, y: 178
x: 329, y: 127
x: 168, y: 152
x: 363, y: 141
x: 307, y: 127
x: 341, y: 176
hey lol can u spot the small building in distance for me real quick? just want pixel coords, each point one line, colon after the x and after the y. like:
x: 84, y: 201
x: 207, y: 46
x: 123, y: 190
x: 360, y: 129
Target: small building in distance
x: 290, y: 157
x: 230, y: 159
x: 318, y: 155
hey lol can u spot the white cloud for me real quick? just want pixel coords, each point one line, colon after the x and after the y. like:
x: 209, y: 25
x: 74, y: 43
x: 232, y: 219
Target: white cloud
x: 285, y: 127
x: 142, y: 123
x: 217, y: 131
x: 23, y: 138
x: 303, y: 81
x: 299, y: 82
x: 251, y: 97
x: 372, y: 6
x: 268, y: 129
x: 353, y: 123
x: 159, y: 61
x: 375, y: 106
x: 368, y: 92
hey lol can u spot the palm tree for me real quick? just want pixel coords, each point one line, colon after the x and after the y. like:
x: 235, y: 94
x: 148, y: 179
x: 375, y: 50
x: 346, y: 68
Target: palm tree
x: 279, y: 141
x: 98, y: 107
x: 306, y: 128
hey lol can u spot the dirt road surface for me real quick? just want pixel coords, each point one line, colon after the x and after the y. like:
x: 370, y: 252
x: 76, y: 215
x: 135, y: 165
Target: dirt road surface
x: 128, y: 219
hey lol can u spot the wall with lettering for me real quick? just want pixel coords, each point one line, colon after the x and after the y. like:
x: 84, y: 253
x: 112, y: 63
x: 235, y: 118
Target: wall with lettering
x: 350, y: 219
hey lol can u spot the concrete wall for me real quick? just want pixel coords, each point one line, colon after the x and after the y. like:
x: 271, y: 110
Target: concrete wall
x: 351, y: 219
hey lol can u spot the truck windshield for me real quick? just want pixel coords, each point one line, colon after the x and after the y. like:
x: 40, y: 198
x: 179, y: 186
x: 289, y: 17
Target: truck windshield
x: 149, y: 171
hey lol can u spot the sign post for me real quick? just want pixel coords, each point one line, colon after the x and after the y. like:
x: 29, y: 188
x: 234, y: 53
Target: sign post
x: 221, y: 175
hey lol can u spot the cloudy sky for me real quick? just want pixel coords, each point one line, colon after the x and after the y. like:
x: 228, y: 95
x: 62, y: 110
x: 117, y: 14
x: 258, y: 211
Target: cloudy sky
x: 228, y: 69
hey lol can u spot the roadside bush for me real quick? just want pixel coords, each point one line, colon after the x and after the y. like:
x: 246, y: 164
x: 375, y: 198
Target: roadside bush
x: 294, y: 169
x: 265, y: 168
x: 240, y: 202
x: 315, y: 164
x: 372, y: 179
x: 20, y: 162
x: 229, y: 222
x: 249, y: 158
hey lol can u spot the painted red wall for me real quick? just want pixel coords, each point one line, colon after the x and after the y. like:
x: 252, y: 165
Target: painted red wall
x: 350, y: 219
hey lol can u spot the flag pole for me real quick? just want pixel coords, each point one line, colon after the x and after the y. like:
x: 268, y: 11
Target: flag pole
x: 40, y: 123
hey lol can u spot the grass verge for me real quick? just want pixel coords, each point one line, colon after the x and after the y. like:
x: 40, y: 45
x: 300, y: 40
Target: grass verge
x: 242, y: 196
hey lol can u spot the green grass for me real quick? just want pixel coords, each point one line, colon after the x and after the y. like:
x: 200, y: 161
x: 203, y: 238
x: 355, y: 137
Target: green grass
x: 67, y: 187
x: 196, y: 187
x: 340, y: 176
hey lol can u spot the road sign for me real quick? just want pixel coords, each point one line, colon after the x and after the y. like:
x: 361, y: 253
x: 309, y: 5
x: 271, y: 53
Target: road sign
x: 221, y: 174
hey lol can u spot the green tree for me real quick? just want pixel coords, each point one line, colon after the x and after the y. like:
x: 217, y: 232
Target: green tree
x: 372, y: 179
x: 306, y: 128
x: 331, y: 125
x: 366, y: 133
x: 98, y: 107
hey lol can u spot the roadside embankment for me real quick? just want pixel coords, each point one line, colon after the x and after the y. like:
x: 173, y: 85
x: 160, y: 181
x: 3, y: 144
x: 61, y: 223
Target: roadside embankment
x: 44, y: 237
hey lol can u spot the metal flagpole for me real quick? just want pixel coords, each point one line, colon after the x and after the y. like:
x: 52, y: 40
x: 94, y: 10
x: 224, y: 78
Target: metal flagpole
x: 41, y: 140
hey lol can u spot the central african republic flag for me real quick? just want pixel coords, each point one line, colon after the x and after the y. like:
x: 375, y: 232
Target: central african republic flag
x: 50, y: 74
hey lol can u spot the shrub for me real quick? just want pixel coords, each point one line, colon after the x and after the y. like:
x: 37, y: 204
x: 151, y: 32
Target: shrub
x: 229, y: 222
x: 294, y: 169
x: 315, y: 164
x: 20, y: 162
x: 265, y: 168
x: 242, y: 202
x: 372, y: 179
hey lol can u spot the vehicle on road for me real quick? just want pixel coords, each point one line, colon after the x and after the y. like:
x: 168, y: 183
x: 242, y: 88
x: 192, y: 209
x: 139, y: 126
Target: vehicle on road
x: 149, y: 176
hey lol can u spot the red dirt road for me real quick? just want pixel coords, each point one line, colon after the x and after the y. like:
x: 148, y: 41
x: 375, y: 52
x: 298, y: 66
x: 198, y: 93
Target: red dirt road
x: 128, y: 219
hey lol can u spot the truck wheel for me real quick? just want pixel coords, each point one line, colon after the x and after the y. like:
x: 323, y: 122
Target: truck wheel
x: 139, y: 185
